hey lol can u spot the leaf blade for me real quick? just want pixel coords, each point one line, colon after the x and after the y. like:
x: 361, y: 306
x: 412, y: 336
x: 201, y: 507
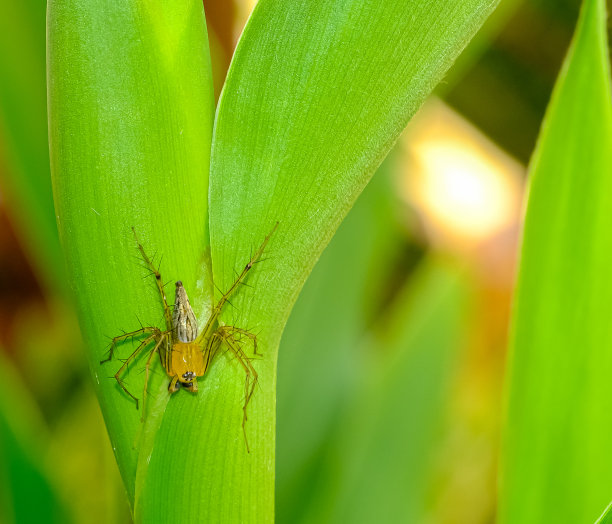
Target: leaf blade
x: 130, y: 109
x: 606, y: 518
x: 269, y: 127
x: 555, y: 464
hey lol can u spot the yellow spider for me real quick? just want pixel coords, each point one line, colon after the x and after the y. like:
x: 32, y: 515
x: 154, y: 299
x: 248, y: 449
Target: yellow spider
x: 185, y: 354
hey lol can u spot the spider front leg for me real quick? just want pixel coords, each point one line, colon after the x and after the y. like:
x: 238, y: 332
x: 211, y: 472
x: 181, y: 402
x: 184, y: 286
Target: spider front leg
x: 174, y: 386
x: 158, y: 281
x: 209, y: 328
x: 125, y: 336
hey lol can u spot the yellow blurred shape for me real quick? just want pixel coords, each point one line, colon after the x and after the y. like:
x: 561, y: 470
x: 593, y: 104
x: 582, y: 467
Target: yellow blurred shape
x: 465, y: 188
x: 244, y: 8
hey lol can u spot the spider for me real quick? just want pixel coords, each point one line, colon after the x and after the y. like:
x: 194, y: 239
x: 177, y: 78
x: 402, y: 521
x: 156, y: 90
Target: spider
x: 186, y: 354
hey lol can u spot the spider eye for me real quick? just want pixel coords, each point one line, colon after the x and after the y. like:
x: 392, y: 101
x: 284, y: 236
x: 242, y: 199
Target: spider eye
x: 190, y: 375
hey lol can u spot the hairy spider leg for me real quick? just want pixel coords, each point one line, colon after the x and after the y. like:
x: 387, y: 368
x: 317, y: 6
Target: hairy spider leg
x: 233, y: 329
x: 162, y: 337
x: 208, y: 328
x: 158, y: 281
x: 156, y: 333
x: 224, y: 336
x: 165, y: 352
x: 125, y: 336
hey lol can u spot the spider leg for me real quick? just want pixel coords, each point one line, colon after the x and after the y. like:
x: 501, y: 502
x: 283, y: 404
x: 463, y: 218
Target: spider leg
x: 208, y: 328
x: 230, y: 330
x: 172, y: 387
x: 158, y: 281
x: 142, y: 345
x: 251, y: 375
x: 125, y: 336
x: 162, y: 337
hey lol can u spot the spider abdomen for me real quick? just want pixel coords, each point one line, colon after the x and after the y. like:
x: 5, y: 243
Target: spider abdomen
x: 183, y: 317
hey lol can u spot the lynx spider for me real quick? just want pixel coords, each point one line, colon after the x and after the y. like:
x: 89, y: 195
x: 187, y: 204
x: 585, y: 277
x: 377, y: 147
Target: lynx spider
x: 186, y: 355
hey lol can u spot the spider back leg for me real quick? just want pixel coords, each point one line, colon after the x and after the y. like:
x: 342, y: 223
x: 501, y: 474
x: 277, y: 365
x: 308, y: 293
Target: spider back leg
x: 231, y: 330
x: 125, y: 365
x: 225, y: 336
x: 159, y: 341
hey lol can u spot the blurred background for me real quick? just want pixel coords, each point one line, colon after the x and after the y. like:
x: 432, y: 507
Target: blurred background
x: 390, y: 373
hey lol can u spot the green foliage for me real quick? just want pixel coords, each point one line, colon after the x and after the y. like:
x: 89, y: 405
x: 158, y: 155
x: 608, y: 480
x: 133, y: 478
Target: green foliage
x: 26, y: 184
x: 315, y: 98
x: 606, y: 518
x: 131, y: 109
x: 27, y: 494
x: 380, y: 461
x: 365, y: 376
x: 557, y: 465
x: 318, y: 369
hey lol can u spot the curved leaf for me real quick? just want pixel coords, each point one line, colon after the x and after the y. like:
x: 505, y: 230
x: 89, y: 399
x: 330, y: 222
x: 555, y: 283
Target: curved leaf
x: 130, y: 123
x: 316, y: 95
x: 557, y: 465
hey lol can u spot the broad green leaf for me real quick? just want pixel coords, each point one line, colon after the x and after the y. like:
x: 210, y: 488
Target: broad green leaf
x: 316, y: 95
x: 315, y: 98
x: 24, y: 148
x: 556, y: 462
x: 130, y: 124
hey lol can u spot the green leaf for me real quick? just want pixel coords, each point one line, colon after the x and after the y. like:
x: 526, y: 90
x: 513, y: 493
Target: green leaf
x: 606, y: 518
x: 556, y: 463
x: 316, y: 95
x: 130, y: 124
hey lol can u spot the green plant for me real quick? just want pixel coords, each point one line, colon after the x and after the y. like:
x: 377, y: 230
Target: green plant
x: 26, y: 183
x: 606, y: 518
x: 23, y: 476
x: 556, y: 460
x: 316, y: 95
x: 361, y: 398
